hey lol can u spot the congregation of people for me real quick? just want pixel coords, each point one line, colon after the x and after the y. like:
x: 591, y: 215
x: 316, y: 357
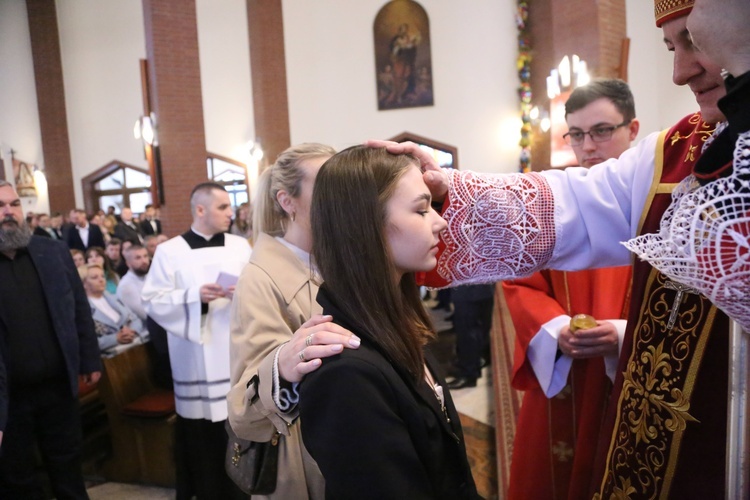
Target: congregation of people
x: 299, y: 320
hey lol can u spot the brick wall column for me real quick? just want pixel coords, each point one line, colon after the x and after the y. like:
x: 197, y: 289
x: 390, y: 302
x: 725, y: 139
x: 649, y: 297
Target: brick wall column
x: 268, y: 72
x: 50, y: 95
x: 175, y: 91
x: 593, y: 29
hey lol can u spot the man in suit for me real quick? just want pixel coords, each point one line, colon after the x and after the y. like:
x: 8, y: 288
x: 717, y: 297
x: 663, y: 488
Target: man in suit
x: 43, y: 227
x: 84, y: 235
x: 70, y: 223
x: 150, y: 224
x: 56, y: 222
x: 46, y: 339
x: 126, y: 229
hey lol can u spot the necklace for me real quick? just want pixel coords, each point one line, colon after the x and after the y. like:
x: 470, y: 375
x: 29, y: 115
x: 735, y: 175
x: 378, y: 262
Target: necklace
x: 437, y: 390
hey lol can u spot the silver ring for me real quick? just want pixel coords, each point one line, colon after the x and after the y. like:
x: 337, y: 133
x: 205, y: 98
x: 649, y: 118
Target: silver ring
x: 302, y: 356
x: 308, y: 340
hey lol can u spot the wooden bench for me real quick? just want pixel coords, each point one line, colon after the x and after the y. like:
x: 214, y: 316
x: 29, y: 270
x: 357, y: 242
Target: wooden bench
x: 141, y: 418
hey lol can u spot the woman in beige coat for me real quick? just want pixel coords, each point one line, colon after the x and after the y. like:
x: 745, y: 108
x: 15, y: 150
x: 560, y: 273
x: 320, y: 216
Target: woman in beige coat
x: 278, y: 332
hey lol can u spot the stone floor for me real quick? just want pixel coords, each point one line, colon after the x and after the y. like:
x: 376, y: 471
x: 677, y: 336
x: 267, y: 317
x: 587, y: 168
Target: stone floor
x: 120, y: 491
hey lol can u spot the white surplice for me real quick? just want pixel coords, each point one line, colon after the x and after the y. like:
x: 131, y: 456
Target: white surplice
x: 198, y: 344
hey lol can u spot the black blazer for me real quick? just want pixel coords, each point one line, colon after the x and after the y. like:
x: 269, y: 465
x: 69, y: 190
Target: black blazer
x: 3, y: 382
x: 127, y: 233
x: 39, y: 231
x: 375, y: 432
x: 96, y: 239
x: 147, y: 230
x: 68, y: 306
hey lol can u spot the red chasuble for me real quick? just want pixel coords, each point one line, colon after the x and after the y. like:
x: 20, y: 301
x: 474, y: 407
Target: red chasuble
x: 665, y: 431
x: 555, y: 441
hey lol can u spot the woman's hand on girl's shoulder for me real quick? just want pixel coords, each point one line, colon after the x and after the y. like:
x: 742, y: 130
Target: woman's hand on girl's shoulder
x: 319, y: 337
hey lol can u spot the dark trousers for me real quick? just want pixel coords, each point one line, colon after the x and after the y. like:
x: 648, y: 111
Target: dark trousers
x: 472, y: 321
x: 47, y: 415
x: 200, y: 448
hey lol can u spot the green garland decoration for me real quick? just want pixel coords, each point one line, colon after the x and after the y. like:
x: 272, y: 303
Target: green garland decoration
x: 524, y: 91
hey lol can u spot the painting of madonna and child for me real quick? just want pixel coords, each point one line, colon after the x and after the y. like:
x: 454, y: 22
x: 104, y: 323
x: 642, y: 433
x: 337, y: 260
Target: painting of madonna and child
x: 402, y: 56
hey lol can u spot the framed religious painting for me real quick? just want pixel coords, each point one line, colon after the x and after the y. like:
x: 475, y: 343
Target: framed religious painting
x: 23, y: 174
x: 403, y: 61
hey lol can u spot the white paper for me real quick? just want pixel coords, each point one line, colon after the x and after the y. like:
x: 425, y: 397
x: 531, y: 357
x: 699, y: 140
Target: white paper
x: 226, y: 280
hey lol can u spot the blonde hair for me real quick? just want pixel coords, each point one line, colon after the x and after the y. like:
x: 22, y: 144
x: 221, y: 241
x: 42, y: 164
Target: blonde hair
x: 268, y: 215
x: 83, y: 271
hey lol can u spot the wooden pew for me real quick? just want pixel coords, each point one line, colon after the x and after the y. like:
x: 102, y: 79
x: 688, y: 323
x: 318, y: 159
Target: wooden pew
x: 141, y: 418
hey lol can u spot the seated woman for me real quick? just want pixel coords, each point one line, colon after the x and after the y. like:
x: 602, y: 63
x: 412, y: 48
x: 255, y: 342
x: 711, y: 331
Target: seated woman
x: 274, y: 314
x: 79, y: 259
x: 378, y: 420
x: 108, y: 227
x: 115, y: 324
x: 97, y: 255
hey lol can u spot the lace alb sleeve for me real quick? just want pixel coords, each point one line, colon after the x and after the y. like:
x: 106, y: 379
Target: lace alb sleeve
x: 704, y: 238
x: 499, y: 227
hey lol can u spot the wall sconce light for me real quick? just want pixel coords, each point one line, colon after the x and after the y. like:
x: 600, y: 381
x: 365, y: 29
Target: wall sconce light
x: 255, y: 151
x: 145, y: 129
x: 572, y: 72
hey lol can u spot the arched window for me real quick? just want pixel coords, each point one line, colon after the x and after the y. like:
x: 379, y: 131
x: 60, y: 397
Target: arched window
x: 117, y: 184
x: 231, y: 174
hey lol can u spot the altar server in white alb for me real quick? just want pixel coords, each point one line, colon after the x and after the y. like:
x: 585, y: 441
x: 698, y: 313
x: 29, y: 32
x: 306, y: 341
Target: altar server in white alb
x: 188, y: 291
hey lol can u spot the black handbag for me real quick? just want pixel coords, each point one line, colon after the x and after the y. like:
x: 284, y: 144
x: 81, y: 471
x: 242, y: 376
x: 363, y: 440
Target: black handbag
x: 252, y: 466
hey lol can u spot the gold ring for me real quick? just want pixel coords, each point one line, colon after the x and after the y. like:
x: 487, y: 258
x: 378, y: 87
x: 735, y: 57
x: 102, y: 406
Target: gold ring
x: 302, y: 356
x: 308, y: 340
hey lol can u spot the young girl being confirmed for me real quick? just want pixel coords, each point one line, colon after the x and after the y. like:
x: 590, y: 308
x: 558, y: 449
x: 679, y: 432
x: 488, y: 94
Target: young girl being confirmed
x: 377, y: 419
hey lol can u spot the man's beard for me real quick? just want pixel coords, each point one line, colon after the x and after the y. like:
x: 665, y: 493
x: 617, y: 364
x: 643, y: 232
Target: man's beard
x: 141, y: 272
x: 14, y: 237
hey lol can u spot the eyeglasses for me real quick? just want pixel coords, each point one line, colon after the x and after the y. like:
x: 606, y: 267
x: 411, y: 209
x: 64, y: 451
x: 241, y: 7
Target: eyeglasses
x: 597, y: 134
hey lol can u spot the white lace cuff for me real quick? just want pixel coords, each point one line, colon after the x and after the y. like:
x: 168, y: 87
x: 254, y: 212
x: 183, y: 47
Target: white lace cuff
x: 499, y: 227
x: 704, y: 238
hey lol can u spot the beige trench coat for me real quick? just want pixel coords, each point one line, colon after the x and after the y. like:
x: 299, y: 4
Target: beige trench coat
x: 274, y: 296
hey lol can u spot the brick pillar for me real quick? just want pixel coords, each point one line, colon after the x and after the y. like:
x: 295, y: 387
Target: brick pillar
x: 268, y: 73
x: 612, y: 31
x: 176, y: 99
x: 593, y: 29
x: 543, y: 60
x: 50, y: 95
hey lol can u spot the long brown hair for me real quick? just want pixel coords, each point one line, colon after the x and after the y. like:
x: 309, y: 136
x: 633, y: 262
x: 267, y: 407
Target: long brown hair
x: 109, y: 272
x: 351, y: 251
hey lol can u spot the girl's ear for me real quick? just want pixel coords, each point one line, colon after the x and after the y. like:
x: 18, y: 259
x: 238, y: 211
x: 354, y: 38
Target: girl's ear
x: 286, y: 201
